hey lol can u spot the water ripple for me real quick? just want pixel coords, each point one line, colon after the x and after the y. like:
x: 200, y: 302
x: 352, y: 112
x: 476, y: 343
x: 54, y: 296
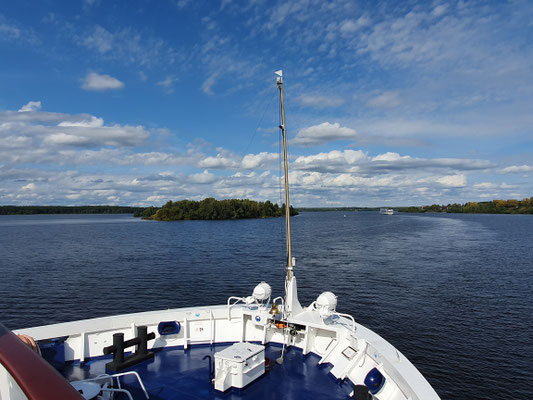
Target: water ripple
x: 452, y: 292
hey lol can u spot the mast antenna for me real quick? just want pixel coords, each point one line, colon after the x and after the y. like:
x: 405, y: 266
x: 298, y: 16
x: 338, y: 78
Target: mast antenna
x: 292, y: 306
x: 279, y: 81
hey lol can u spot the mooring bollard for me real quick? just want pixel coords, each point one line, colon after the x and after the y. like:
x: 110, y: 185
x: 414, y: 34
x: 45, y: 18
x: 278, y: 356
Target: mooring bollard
x: 117, y: 349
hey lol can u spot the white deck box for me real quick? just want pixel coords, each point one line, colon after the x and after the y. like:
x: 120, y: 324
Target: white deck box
x: 238, y: 365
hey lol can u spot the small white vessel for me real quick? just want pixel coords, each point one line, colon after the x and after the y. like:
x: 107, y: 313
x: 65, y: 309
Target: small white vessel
x: 386, y: 211
x: 255, y: 346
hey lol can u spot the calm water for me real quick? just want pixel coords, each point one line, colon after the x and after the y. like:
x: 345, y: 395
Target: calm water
x: 452, y: 292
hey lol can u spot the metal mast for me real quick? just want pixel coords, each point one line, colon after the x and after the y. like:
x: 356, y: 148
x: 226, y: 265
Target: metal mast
x: 286, y: 167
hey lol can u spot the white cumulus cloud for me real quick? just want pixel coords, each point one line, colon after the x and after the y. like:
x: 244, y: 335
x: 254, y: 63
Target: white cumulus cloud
x: 168, y: 83
x: 322, y: 133
x: 334, y: 160
x: 351, y: 26
x: 261, y: 160
x: 385, y: 100
x: 205, y: 177
x: 92, y: 122
x: 220, y: 161
x: 458, y: 180
x: 389, y: 156
x: 31, y: 106
x: 97, y: 82
x: 318, y: 101
x: 517, y: 169
x: 209, y: 83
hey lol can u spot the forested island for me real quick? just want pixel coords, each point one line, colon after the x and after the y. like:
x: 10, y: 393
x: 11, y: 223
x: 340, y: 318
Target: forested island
x: 524, y: 206
x: 207, y: 209
x: 211, y: 209
x: 29, y: 210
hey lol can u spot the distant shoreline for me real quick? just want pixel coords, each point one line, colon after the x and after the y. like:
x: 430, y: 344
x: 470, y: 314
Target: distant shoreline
x: 36, y: 210
x: 524, y: 206
x: 326, y: 209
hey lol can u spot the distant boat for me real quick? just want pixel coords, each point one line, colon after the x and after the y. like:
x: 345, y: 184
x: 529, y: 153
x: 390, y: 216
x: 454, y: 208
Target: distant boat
x: 312, y: 352
x: 386, y: 211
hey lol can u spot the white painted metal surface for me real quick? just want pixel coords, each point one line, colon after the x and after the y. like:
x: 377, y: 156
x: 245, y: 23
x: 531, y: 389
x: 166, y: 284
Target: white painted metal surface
x: 200, y: 325
x: 239, y: 365
x: 9, y: 388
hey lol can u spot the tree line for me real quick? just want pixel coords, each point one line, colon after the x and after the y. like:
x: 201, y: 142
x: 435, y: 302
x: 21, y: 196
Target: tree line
x: 524, y: 206
x: 28, y: 210
x: 211, y: 209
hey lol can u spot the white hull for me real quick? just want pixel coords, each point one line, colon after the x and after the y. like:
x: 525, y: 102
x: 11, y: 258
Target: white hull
x: 214, y: 324
x: 386, y: 211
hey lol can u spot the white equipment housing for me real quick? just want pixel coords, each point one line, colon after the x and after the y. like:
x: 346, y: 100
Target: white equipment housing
x: 239, y: 365
x: 326, y: 304
x: 262, y: 292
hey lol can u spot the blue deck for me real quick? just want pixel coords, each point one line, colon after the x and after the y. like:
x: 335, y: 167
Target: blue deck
x: 176, y: 373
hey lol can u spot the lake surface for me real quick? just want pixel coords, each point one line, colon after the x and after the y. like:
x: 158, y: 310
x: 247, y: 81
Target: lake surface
x: 454, y: 293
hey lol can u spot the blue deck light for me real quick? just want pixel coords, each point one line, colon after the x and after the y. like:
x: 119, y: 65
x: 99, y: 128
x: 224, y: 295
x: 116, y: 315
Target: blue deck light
x: 374, y: 380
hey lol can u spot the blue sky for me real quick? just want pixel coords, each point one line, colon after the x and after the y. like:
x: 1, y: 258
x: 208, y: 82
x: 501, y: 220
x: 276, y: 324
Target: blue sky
x: 387, y: 103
